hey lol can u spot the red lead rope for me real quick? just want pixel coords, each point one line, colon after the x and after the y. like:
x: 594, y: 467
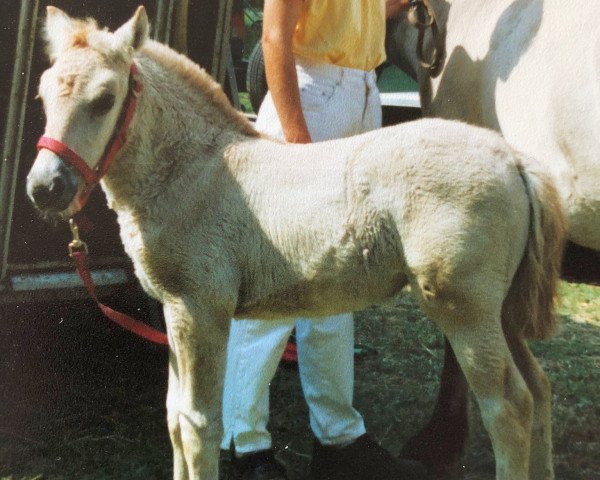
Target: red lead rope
x: 78, y: 252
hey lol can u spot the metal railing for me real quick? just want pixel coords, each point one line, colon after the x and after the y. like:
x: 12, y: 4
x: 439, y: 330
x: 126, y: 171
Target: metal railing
x: 11, y: 151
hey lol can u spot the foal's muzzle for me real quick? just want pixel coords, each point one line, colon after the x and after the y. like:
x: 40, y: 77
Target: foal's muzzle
x: 52, y: 185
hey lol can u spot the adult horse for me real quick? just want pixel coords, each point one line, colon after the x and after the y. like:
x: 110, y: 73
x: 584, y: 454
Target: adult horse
x: 220, y: 221
x: 531, y: 70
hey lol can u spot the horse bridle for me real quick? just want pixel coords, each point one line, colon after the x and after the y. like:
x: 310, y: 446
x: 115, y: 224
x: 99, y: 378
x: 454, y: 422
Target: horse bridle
x: 92, y: 176
x: 421, y: 16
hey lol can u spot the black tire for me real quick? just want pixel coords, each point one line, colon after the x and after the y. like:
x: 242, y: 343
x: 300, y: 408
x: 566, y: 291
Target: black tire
x: 256, y: 79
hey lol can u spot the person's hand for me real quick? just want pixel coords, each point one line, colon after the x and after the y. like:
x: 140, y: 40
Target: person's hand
x: 297, y: 135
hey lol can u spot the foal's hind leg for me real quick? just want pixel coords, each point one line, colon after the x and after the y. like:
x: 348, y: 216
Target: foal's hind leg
x: 197, y: 340
x: 540, y: 463
x: 504, y: 400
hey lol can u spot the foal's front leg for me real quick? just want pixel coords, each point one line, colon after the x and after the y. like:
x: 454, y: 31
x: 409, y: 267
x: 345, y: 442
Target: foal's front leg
x: 197, y: 340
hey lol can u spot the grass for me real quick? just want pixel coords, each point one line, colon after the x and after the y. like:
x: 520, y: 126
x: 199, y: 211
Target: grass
x: 81, y: 400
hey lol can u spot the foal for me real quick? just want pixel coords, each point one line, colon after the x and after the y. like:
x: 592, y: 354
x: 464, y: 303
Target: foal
x: 220, y: 221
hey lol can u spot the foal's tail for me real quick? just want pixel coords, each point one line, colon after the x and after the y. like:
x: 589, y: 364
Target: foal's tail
x: 529, y: 306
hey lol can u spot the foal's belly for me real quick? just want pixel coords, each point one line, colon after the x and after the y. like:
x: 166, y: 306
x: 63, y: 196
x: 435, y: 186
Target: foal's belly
x: 323, y: 298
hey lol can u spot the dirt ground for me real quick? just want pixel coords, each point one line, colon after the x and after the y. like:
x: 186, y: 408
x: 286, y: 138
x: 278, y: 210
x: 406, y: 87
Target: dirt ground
x: 81, y: 400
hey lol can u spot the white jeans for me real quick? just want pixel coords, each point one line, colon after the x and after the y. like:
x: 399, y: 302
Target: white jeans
x: 337, y: 102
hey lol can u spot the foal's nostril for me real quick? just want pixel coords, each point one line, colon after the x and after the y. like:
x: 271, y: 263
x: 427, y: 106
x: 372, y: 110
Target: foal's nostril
x: 57, y: 188
x: 41, y: 196
x: 49, y: 195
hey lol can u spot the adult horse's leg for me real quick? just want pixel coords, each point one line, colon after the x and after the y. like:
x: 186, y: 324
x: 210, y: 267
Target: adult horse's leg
x: 440, y: 445
x: 197, y: 339
x: 540, y: 463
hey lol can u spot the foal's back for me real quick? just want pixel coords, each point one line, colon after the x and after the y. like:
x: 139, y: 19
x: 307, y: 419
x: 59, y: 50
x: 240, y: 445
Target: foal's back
x: 350, y: 222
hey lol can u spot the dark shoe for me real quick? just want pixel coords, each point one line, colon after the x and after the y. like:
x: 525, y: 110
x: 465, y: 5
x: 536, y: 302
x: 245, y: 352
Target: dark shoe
x: 364, y: 459
x: 259, y: 466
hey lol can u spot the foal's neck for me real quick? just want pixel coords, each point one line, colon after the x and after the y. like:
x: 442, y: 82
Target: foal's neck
x: 183, y: 126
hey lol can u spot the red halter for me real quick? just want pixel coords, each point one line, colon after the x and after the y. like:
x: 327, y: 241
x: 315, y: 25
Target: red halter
x: 92, y: 176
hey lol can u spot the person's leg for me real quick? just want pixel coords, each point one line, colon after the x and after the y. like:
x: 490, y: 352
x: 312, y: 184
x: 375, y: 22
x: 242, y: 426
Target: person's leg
x: 372, y: 116
x: 245, y: 418
x: 332, y: 100
x: 326, y: 366
x: 253, y: 353
x: 326, y: 345
x: 334, y: 107
x: 339, y: 104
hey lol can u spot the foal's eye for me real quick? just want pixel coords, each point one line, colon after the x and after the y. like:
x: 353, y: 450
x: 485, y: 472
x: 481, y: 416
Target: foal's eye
x: 102, y: 104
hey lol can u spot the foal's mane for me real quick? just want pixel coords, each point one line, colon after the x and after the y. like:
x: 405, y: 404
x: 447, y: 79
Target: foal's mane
x: 198, y: 79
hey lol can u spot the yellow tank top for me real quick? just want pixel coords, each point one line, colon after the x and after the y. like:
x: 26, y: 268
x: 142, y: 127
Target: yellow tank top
x: 347, y: 33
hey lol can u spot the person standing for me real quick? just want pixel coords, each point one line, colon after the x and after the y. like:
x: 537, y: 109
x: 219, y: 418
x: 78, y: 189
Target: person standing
x: 320, y: 57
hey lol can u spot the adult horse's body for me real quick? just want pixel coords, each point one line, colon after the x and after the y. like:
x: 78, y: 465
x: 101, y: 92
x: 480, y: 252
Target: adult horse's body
x: 220, y: 221
x: 531, y: 70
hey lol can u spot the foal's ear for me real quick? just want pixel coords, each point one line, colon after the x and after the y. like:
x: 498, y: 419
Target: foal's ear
x: 134, y: 33
x: 58, y: 31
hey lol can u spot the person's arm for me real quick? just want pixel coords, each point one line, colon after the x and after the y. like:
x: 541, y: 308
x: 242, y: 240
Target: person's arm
x: 394, y: 7
x: 279, y: 23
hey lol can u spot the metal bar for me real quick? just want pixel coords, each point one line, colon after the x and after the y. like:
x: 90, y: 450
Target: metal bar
x: 57, y: 280
x: 162, y: 23
x: 159, y: 21
x: 221, y: 45
x: 14, y: 125
x: 67, y: 264
x: 178, y: 37
x: 129, y: 290
x: 233, y: 86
